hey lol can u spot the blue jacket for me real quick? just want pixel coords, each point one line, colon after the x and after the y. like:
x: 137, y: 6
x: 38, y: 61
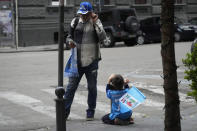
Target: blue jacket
x: 115, y: 95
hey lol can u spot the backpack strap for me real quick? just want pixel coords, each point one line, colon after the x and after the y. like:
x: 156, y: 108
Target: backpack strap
x: 76, y: 22
x: 74, y: 26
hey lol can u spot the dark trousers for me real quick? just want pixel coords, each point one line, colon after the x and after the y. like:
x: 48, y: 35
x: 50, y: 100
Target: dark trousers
x: 91, y: 76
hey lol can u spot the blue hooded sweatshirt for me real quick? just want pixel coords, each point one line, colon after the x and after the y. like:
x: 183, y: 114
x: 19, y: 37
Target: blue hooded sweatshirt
x: 115, y: 95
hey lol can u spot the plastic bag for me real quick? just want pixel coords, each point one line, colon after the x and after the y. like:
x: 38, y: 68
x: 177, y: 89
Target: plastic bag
x: 71, y: 69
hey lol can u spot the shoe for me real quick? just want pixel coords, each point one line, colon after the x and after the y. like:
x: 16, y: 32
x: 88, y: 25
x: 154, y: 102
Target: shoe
x: 90, y: 115
x: 67, y: 114
x: 131, y: 121
x: 118, y: 121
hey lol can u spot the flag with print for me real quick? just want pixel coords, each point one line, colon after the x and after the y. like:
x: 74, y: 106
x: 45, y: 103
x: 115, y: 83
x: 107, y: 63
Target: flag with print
x: 131, y: 99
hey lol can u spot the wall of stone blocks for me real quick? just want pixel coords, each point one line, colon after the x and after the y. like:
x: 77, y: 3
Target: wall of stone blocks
x: 39, y: 17
x: 191, y: 8
x: 156, y: 2
x: 192, y: 1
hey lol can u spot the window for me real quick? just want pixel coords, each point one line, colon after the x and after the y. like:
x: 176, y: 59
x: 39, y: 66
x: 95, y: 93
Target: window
x: 55, y: 37
x: 140, y: 1
x: 178, y: 20
x: 178, y: 2
x: 147, y: 22
x: 56, y: 2
x: 193, y: 21
x: 106, y: 2
x: 125, y: 14
x: 157, y: 21
x: 106, y: 16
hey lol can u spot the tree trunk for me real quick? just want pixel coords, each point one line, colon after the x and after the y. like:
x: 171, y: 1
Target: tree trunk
x: 172, y: 110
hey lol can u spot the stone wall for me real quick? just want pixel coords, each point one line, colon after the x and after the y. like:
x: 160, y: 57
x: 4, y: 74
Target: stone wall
x: 39, y: 20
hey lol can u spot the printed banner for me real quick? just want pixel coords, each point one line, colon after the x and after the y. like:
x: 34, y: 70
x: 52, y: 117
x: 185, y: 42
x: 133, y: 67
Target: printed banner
x: 6, y: 29
x: 131, y: 99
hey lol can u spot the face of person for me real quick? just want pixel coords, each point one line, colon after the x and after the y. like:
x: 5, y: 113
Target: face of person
x: 86, y: 17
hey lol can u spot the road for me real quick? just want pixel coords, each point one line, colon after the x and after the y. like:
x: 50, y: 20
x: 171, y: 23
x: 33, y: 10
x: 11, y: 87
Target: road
x: 28, y: 81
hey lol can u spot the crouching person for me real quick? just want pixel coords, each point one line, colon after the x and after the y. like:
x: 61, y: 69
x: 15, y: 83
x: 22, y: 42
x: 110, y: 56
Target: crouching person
x: 115, y: 89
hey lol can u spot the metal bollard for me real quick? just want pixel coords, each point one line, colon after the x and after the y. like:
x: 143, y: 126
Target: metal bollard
x: 60, y: 109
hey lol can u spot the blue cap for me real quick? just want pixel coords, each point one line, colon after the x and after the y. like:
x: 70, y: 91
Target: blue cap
x: 85, y: 7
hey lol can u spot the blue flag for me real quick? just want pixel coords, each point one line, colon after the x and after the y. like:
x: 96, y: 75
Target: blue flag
x: 131, y: 99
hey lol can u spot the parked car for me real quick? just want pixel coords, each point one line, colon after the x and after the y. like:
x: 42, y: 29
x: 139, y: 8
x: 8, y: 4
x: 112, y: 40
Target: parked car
x: 120, y: 25
x: 151, y: 28
x: 193, y: 21
x: 193, y: 44
x: 187, y: 26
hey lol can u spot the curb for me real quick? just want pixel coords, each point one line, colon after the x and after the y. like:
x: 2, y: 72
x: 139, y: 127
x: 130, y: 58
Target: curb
x: 20, y: 51
x: 31, y: 49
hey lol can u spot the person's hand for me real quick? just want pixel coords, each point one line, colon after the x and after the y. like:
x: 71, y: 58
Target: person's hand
x: 126, y: 81
x: 94, y: 17
x: 72, y: 45
x: 110, y: 78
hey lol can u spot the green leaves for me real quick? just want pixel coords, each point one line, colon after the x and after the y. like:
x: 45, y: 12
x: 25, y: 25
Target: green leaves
x: 191, y: 73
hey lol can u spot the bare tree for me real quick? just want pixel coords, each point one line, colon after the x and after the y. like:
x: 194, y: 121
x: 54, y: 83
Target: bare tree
x: 172, y: 109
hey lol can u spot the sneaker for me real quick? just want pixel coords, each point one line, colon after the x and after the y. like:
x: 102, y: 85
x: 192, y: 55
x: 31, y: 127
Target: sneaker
x: 118, y: 121
x: 131, y: 121
x: 67, y: 114
x: 90, y: 115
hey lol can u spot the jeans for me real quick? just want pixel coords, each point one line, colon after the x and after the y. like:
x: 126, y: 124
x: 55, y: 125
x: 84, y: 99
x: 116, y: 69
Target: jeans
x: 91, y: 76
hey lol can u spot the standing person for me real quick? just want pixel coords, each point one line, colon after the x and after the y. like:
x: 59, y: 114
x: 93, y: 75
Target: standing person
x: 115, y: 89
x: 85, y: 34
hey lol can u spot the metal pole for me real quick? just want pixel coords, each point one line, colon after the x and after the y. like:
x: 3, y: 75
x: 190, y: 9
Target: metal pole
x: 60, y: 110
x: 61, y: 43
x: 60, y: 102
x: 13, y: 21
x: 16, y: 28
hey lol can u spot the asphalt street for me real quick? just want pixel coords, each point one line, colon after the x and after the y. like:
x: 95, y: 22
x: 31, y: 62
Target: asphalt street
x: 29, y: 76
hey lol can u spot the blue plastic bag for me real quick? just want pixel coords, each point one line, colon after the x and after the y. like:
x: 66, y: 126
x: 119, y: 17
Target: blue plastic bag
x: 131, y: 99
x: 71, y: 69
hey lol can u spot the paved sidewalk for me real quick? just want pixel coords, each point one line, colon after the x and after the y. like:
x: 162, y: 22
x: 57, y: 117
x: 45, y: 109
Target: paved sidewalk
x: 147, y: 123
x: 141, y: 124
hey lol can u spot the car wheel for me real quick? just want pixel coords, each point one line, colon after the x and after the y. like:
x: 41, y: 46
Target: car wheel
x: 177, y: 37
x: 109, y: 41
x: 140, y: 40
x: 131, y: 42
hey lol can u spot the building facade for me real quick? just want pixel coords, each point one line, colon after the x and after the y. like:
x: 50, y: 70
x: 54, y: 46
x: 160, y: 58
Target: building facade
x: 38, y: 20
